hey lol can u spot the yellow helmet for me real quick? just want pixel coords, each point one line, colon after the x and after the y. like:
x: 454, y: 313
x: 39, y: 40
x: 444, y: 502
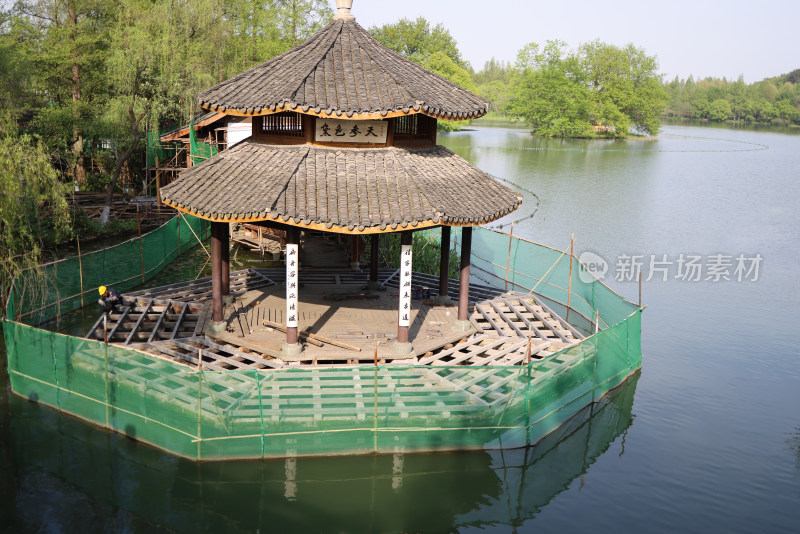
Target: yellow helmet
x: 102, y: 290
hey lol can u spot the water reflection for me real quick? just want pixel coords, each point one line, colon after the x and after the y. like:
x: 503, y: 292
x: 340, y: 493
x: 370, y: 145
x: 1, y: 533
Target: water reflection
x: 62, y: 474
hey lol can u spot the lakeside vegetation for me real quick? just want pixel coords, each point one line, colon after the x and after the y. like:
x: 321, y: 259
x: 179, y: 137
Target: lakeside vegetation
x: 774, y: 100
x: 83, y: 81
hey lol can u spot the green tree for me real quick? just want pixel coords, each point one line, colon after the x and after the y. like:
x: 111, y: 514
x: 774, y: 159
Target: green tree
x: 302, y: 18
x: 551, y: 92
x: 719, y: 110
x: 32, y: 204
x: 418, y: 40
x: 431, y: 47
x: 599, y: 89
x: 626, y: 86
x: 65, y: 40
x: 494, y: 83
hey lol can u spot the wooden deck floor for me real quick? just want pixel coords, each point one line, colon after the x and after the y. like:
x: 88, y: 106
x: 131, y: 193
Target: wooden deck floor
x: 341, y: 323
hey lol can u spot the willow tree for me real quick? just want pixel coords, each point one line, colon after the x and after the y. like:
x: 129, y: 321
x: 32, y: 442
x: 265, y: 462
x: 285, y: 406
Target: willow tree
x: 32, y: 205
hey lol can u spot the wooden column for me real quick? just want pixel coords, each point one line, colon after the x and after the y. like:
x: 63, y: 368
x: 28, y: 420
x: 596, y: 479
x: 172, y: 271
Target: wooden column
x: 463, y: 279
x: 354, y: 256
x: 216, y: 272
x: 374, y: 246
x: 444, y: 263
x: 292, y: 284
x: 225, y: 242
x: 404, y: 294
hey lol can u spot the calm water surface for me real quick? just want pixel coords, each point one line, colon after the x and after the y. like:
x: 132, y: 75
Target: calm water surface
x: 706, y: 439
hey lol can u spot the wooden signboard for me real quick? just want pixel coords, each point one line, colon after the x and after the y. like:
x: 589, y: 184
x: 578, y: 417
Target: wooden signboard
x: 347, y: 131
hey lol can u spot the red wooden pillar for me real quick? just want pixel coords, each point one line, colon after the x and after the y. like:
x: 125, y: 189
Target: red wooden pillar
x: 216, y: 275
x: 444, y: 267
x: 225, y: 244
x: 355, y: 243
x: 463, y: 279
x: 292, y: 347
x: 374, y: 248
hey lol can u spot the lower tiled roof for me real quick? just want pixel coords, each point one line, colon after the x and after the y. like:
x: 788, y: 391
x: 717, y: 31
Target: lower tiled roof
x: 341, y: 188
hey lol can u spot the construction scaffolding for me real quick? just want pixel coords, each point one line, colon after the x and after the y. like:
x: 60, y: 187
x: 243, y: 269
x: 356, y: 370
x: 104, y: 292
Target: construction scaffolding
x: 518, y: 376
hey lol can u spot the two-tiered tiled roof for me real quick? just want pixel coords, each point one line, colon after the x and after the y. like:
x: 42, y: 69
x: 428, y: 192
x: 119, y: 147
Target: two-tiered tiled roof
x: 342, y: 71
x: 354, y: 189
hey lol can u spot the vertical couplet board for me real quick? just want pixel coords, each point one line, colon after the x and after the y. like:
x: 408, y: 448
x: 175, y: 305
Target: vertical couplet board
x: 405, y: 285
x: 292, y: 269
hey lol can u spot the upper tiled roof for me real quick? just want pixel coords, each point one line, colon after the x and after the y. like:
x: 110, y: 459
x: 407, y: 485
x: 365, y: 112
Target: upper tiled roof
x: 342, y: 70
x: 341, y: 188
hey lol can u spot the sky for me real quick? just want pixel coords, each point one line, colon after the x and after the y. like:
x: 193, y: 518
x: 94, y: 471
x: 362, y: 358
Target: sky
x: 755, y: 39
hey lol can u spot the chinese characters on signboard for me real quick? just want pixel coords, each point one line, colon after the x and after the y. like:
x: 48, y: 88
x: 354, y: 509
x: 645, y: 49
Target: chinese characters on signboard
x: 292, y: 268
x: 405, y: 285
x: 345, y: 131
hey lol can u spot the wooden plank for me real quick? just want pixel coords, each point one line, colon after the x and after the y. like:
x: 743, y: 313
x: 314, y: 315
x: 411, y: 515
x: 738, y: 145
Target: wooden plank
x: 311, y: 338
x: 472, y: 350
x: 506, y: 318
x: 564, y: 323
x: 544, y: 321
x: 498, y: 353
x: 95, y: 326
x: 254, y: 357
x: 139, y: 322
x: 180, y: 356
x: 201, y: 320
x: 178, y: 322
x: 158, y: 324
x: 447, y: 352
x: 116, y: 326
x: 490, y: 320
x: 183, y: 344
x: 532, y: 327
x: 393, y: 275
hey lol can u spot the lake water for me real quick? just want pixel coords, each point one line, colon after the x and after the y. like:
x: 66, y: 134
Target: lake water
x: 705, y: 439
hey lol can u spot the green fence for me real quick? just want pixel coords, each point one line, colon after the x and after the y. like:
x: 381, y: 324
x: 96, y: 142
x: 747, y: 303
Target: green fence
x: 68, y: 284
x: 210, y: 415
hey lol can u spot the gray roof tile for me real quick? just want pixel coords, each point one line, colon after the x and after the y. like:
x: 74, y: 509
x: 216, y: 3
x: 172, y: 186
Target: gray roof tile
x: 343, y: 70
x: 353, y: 188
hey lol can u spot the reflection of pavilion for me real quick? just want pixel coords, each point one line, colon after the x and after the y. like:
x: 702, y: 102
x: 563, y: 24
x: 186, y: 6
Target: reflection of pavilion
x: 343, y: 142
x: 82, y: 472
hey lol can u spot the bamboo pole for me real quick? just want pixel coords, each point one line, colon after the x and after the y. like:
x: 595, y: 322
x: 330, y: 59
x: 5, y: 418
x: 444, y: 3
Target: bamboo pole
x: 640, y: 289
x: 141, y: 250
x: 180, y: 223
x: 80, y: 267
x: 528, y: 351
x: 508, y: 261
x: 198, y: 239
x: 158, y: 183
x: 569, y: 287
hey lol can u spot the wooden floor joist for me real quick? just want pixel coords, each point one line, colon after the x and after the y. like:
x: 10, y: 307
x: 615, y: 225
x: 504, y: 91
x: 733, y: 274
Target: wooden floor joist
x: 171, y: 321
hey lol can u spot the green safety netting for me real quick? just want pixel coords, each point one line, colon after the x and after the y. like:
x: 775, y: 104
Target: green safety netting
x: 209, y: 415
x: 160, y: 152
x: 68, y: 284
x: 200, y: 151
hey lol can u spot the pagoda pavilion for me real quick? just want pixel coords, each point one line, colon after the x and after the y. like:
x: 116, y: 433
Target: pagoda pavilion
x: 343, y: 141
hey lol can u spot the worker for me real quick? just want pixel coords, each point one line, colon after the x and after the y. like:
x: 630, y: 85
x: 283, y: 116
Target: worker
x: 110, y: 299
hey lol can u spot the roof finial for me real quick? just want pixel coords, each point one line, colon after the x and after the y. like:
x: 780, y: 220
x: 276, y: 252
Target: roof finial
x: 344, y: 10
